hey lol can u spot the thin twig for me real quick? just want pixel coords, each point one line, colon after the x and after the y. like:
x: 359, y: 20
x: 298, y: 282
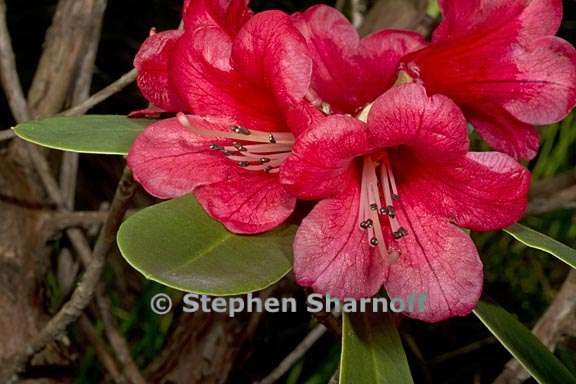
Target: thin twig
x: 83, y: 293
x: 100, y: 350
x: 127, y: 79
x: 117, y: 341
x: 8, y: 72
x: 295, y: 355
x: 61, y: 220
x: 7, y: 135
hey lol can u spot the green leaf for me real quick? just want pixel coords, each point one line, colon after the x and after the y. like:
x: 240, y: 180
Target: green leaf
x: 523, y: 345
x: 102, y: 134
x: 537, y: 240
x: 177, y: 244
x: 372, y: 351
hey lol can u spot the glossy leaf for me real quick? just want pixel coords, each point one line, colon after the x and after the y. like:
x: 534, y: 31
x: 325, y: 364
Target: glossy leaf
x: 537, y: 240
x: 101, y: 134
x: 372, y: 350
x: 177, y: 244
x: 523, y: 345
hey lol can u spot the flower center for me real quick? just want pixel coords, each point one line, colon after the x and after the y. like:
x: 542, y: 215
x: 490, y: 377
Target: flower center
x: 378, y: 195
x: 251, y: 150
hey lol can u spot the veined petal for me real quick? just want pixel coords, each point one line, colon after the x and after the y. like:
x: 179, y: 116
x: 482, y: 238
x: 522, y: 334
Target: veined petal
x: 507, y: 134
x: 170, y: 161
x: 499, y: 57
x: 484, y: 191
x: 152, y: 63
x: 331, y: 252
x: 228, y: 15
x: 526, y: 17
x: 247, y: 202
x: 544, y: 90
x: 349, y: 72
x: 323, y: 157
x: 431, y: 127
x: 270, y: 50
x: 249, y: 80
x: 437, y: 259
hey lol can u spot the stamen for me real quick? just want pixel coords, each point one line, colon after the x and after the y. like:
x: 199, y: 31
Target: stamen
x: 266, y: 155
x: 240, y: 130
x: 378, y: 194
x: 237, y: 133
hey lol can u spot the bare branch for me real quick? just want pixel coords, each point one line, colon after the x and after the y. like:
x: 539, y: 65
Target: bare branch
x: 118, y: 342
x: 83, y: 293
x: 100, y: 350
x: 8, y: 72
x: 295, y: 355
x: 127, y: 79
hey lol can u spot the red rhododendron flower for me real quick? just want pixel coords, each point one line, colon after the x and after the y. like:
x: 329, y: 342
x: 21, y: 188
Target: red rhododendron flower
x: 154, y: 58
x: 395, y: 191
x: 501, y: 63
x: 248, y: 92
x: 350, y: 72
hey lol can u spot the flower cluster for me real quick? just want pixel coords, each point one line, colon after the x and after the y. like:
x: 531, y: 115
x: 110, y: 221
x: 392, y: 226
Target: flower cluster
x: 270, y: 108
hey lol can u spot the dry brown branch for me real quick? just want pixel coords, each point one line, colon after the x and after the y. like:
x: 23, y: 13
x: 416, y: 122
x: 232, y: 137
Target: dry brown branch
x: 83, y: 293
x: 58, y: 221
x: 295, y: 355
x: 8, y: 72
x: 100, y: 350
x: 117, y: 341
x: 67, y: 43
x: 402, y: 14
x: 127, y: 79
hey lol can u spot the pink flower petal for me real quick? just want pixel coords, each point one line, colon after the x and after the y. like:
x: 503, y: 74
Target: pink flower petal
x: 431, y: 126
x: 530, y: 17
x: 331, y: 252
x: 507, y: 134
x: 437, y: 259
x: 152, y: 63
x: 485, y: 191
x: 169, y: 161
x: 500, y: 55
x: 252, y: 80
x: 322, y: 157
x: 349, y: 72
x: 228, y: 15
x: 247, y: 202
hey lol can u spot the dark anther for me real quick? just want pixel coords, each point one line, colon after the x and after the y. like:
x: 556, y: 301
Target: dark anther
x: 240, y: 130
x: 272, y: 139
x: 239, y: 147
x: 366, y: 224
x: 374, y: 207
x: 227, y: 153
x: 391, y: 211
x: 268, y: 169
x: 216, y: 147
x: 395, y: 197
x: 400, y: 233
x: 383, y: 211
x: 264, y: 160
x: 243, y: 163
x: 374, y: 241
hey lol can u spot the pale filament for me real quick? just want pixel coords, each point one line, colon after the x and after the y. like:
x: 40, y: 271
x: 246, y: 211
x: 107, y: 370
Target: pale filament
x: 267, y: 155
x: 378, y: 193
